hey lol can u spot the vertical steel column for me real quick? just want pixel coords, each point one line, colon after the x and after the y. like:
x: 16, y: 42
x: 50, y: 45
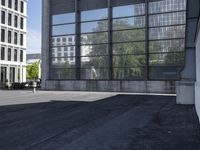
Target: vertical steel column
x: 77, y: 40
x: 49, y: 54
x: 110, y: 46
x: 147, y: 37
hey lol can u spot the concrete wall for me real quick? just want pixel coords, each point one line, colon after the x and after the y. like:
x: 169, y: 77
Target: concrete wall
x: 185, y: 88
x: 197, y: 85
x: 167, y: 87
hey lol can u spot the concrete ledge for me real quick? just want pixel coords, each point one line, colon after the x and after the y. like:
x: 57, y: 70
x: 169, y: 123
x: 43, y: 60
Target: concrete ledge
x: 185, y: 91
x: 197, y: 98
x: 165, y: 87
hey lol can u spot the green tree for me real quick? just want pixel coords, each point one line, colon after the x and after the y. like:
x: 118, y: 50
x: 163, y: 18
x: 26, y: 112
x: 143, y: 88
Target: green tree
x: 32, y: 71
x: 128, y: 58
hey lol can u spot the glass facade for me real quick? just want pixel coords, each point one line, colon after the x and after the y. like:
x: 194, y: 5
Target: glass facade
x: 143, y: 41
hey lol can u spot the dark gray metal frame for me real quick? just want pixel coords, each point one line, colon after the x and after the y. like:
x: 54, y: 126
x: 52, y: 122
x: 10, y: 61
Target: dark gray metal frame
x: 110, y: 41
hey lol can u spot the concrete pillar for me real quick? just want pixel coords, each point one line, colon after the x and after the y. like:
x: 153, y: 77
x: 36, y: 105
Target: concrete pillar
x: 20, y: 74
x: 45, y: 41
x: 16, y: 74
x: 197, y: 84
x: 24, y: 74
x: 39, y: 70
x: 0, y: 76
x: 185, y: 88
x: 8, y: 73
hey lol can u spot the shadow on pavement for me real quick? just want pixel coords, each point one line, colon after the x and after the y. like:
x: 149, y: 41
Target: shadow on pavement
x: 122, y: 122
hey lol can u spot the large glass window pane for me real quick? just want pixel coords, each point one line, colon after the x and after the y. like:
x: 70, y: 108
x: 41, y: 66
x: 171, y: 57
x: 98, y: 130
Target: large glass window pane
x: 166, y: 46
x: 129, y: 10
x: 129, y: 35
x: 167, y: 59
x: 63, y: 40
x: 94, y: 14
x: 63, y: 18
x: 129, y: 48
x: 167, y: 19
x: 63, y: 29
x: 129, y: 60
x: 130, y: 73
x: 96, y: 62
x: 93, y: 50
x: 67, y: 62
x: 128, y: 23
x: 95, y: 26
x: 167, y: 32
x: 167, y: 6
x: 94, y: 38
x: 63, y: 73
x: 94, y: 73
x: 63, y: 51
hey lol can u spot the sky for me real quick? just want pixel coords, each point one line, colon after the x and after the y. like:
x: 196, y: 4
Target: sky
x: 34, y: 26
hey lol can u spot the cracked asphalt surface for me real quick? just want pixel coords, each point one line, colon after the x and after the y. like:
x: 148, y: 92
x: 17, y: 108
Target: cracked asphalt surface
x: 96, y: 121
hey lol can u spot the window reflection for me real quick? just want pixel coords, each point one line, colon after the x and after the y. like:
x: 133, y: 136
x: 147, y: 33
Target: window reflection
x: 166, y: 42
x: 94, y: 14
x: 96, y: 26
x: 129, y: 35
x: 128, y: 23
x: 63, y: 18
x: 63, y: 29
x: 133, y: 10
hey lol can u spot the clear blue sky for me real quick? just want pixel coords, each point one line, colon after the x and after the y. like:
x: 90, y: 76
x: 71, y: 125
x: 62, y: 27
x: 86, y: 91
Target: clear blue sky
x: 34, y: 14
x: 34, y: 26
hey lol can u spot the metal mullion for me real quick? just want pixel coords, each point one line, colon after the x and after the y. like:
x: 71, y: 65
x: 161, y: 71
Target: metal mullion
x: 143, y: 15
x: 61, y: 24
x: 147, y: 37
x: 63, y: 35
x: 128, y: 42
x: 110, y: 46
x: 167, y: 39
x: 169, y: 12
x: 77, y: 41
x: 93, y: 44
x: 172, y: 25
x: 136, y: 54
x: 94, y: 32
x: 51, y: 46
x: 137, y: 28
x: 93, y: 20
x: 167, y: 52
x: 50, y: 42
x: 142, y: 41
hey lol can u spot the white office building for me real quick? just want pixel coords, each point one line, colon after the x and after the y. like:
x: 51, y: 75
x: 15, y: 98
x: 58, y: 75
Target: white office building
x: 13, y: 41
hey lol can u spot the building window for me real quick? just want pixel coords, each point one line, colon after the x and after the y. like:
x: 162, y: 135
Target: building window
x: 16, y: 22
x: 9, y: 54
x: 9, y: 19
x: 10, y: 4
x: 21, y: 55
x: 2, y: 35
x: 15, y: 38
x: 2, y: 53
x: 21, y: 39
x: 3, y: 2
x: 15, y: 55
x: 16, y: 5
x: 21, y: 23
x: 9, y: 37
x: 134, y: 49
x: 22, y: 7
x: 3, y: 17
x: 70, y: 39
